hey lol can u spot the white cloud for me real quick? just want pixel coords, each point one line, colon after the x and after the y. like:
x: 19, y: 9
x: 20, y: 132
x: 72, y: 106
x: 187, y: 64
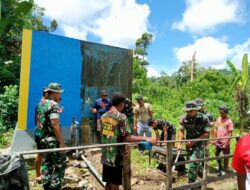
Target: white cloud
x: 238, y: 51
x: 202, y: 16
x: 152, y: 72
x: 213, y: 52
x: 116, y: 22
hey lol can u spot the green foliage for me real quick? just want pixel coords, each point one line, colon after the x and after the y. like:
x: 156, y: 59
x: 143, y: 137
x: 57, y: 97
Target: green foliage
x: 15, y: 16
x: 5, y: 138
x: 167, y: 97
x: 239, y: 84
x: 8, y: 108
x: 245, y: 75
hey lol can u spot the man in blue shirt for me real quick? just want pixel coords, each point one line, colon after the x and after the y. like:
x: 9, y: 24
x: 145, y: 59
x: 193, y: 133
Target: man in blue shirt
x: 101, y: 106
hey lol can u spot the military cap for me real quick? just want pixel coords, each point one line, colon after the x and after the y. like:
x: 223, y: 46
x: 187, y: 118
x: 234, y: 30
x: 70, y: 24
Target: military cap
x: 199, y: 101
x: 54, y: 87
x: 191, y: 105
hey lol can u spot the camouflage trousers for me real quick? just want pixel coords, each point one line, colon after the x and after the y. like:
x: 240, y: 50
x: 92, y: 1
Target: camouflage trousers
x: 195, y: 169
x: 53, y: 168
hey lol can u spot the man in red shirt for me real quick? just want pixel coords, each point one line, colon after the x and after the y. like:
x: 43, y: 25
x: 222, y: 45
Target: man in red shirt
x: 241, y: 163
x: 223, y: 128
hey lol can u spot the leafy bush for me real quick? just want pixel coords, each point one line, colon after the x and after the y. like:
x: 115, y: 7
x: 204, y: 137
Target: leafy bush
x: 8, y: 107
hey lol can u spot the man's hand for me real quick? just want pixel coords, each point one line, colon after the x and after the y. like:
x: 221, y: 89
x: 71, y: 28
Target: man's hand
x: 135, y: 128
x: 62, y: 145
x: 93, y: 110
x: 190, y: 144
x: 179, y: 147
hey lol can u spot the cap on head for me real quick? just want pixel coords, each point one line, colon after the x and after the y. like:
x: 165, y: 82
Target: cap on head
x: 199, y: 101
x: 224, y: 108
x: 191, y: 105
x: 104, y: 93
x: 139, y: 98
x: 54, y: 87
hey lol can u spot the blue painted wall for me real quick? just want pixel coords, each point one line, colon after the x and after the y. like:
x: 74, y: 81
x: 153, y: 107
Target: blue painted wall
x: 55, y: 59
x: 82, y: 68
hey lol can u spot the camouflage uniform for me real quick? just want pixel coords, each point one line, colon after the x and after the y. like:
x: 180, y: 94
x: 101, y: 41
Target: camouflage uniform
x: 129, y: 112
x: 162, y: 124
x: 114, y: 129
x: 195, y: 127
x: 54, y: 164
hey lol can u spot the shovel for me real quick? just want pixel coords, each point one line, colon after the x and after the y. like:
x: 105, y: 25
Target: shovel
x: 175, y: 173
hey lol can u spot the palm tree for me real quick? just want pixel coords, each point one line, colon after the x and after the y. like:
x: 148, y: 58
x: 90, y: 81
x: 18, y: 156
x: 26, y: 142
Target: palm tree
x: 239, y: 85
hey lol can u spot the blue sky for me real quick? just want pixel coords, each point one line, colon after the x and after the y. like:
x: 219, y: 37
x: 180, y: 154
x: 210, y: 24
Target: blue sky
x: 216, y: 29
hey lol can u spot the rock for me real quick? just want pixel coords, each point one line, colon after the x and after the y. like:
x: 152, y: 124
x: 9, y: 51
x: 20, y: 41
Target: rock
x: 86, y: 174
x: 163, y: 186
x: 69, y: 179
x: 141, y: 182
x: 77, y: 164
x: 83, y: 165
x: 134, y: 181
x: 90, y: 187
x: 83, y: 184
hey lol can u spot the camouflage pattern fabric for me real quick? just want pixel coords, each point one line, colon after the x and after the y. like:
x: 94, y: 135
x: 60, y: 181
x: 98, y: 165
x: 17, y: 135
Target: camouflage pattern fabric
x: 209, y: 115
x: 195, y: 169
x: 195, y: 127
x: 128, y: 108
x: 114, y: 129
x: 45, y: 109
x: 54, y: 163
x: 53, y: 167
x: 163, y: 124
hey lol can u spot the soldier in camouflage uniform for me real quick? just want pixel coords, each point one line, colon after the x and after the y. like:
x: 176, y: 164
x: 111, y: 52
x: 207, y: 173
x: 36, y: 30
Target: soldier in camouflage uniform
x: 114, y: 130
x: 167, y: 128
x: 197, y: 126
x: 129, y: 112
x: 201, y: 103
x: 48, y: 113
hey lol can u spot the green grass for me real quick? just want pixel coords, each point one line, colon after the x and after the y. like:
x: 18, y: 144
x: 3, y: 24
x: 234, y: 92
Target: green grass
x: 6, y: 138
x: 140, y: 162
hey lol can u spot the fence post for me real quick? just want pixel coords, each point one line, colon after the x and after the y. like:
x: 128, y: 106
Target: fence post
x: 205, y: 169
x: 169, y: 166
x: 126, y: 174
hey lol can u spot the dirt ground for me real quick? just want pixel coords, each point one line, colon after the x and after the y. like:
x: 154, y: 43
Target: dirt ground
x: 152, y: 179
x: 155, y: 179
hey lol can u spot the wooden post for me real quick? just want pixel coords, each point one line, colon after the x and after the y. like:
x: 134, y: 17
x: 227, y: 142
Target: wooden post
x: 205, y: 169
x: 126, y: 174
x: 169, y: 166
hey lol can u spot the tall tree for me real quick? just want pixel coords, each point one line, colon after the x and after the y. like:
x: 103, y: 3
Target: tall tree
x: 139, y: 62
x: 141, y: 48
x: 239, y: 85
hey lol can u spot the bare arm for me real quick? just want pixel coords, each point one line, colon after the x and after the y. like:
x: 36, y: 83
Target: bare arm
x: 241, y: 180
x: 165, y: 131
x: 135, y: 121
x: 150, y: 114
x: 57, y: 131
x: 181, y: 136
x: 132, y: 138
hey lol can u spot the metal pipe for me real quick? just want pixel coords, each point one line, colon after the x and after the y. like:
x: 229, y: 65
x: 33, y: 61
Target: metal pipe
x: 93, y: 171
x: 203, y: 160
x: 194, y: 140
